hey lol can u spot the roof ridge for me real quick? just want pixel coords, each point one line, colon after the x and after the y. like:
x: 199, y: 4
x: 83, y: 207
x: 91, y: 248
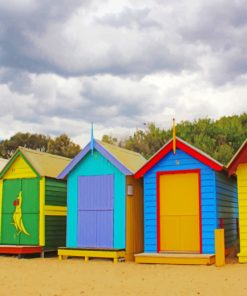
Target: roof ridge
x: 43, y: 153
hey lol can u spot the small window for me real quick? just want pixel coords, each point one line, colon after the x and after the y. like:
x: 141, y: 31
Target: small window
x: 130, y: 190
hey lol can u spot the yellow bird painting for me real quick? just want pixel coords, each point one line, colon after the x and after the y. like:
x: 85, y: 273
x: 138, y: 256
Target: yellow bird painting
x: 17, y: 216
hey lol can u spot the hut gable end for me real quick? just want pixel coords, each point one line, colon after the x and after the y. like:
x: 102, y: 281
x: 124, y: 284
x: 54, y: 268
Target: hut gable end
x: 19, y: 168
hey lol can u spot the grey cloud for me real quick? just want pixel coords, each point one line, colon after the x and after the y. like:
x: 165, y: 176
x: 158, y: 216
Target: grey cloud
x: 130, y: 18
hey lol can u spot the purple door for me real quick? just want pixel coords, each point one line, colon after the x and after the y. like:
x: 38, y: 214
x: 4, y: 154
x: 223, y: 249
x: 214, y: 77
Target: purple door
x: 95, y: 211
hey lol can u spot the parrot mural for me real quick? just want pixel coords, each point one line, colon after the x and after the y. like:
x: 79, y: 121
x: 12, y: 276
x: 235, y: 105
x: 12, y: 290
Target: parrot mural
x: 17, y: 216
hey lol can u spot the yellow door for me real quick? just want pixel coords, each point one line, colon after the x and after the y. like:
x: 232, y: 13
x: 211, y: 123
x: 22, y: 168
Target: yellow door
x: 179, y: 213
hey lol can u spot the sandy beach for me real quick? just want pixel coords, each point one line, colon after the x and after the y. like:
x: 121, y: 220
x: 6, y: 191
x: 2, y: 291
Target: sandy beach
x: 51, y: 277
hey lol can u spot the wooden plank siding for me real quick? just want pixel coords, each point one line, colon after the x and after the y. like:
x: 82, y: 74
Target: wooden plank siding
x: 180, y: 161
x: 55, y: 231
x: 227, y: 207
x: 242, y: 199
x: 134, y: 218
x: 55, y: 192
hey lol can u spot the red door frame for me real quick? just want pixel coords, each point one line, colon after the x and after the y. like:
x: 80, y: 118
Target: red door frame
x: 158, y: 174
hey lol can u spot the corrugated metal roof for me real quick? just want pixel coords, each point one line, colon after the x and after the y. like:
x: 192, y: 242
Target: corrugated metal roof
x: 3, y: 162
x: 130, y: 159
x: 47, y: 165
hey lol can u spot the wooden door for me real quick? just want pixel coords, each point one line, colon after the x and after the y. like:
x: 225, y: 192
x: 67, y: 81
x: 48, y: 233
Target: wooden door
x: 95, y: 211
x: 179, y: 212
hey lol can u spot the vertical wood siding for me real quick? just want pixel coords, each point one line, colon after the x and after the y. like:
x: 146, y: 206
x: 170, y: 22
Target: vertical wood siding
x: 30, y: 211
x: 134, y: 218
x: 180, y: 161
x: 92, y: 165
x: 95, y: 211
x: 242, y: 199
x: 227, y: 206
x: 55, y: 192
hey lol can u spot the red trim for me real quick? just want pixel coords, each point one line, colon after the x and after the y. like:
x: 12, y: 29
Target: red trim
x: 241, y: 157
x: 158, y: 174
x: 158, y: 211
x: 20, y: 249
x: 187, y: 149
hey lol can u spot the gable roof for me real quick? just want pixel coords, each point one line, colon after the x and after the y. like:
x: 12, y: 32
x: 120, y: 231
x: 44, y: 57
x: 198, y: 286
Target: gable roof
x: 128, y: 162
x: 239, y: 157
x: 184, y: 146
x: 3, y: 162
x: 42, y: 163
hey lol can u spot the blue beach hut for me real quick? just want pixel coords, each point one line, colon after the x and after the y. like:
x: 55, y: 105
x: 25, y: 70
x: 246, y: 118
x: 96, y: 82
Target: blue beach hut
x: 105, y: 203
x: 187, y: 195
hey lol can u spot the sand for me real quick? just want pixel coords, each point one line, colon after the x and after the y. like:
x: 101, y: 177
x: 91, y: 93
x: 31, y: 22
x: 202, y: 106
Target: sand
x: 101, y: 277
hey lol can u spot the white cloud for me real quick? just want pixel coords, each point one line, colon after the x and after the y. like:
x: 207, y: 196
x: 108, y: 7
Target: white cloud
x: 119, y: 64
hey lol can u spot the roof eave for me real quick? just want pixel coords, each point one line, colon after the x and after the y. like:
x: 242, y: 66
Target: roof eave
x: 194, y: 152
x: 100, y: 149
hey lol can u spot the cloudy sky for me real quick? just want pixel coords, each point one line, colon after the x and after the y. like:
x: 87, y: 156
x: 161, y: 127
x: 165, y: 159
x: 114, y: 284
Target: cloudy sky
x: 118, y: 63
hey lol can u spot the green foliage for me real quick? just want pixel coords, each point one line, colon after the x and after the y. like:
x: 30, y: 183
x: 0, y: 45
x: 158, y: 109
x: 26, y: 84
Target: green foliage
x: 32, y: 141
x: 219, y: 138
x: 62, y: 145
x: 109, y: 139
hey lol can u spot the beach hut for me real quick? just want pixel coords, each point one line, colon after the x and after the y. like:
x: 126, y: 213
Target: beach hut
x: 105, y: 203
x: 238, y: 166
x: 32, y: 203
x: 3, y: 162
x: 187, y: 195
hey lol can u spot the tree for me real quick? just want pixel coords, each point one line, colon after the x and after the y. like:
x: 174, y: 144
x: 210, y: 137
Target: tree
x: 62, y: 145
x: 219, y: 138
x: 109, y: 139
x: 32, y: 141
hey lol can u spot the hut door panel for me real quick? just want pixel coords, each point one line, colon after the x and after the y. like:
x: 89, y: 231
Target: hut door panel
x: 105, y: 229
x: 9, y: 234
x: 30, y: 195
x: 179, y: 213
x: 29, y: 214
x: 11, y: 189
x: 87, y: 229
x: 95, y: 211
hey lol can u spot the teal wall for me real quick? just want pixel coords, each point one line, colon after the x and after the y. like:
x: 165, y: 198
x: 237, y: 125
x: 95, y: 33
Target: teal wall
x: 92, y: 165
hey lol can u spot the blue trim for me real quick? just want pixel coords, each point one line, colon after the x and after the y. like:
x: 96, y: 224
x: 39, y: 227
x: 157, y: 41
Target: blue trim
x: 83, y: 153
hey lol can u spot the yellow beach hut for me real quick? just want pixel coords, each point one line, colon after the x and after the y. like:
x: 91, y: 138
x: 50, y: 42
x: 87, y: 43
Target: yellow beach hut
x: 238, y: 166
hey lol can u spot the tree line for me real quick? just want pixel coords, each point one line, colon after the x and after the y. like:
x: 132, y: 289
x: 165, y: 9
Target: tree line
x: 219, y: 138
x: 61, y: 145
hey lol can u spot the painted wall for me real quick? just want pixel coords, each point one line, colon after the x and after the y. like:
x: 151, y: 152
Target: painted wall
x: 180, y: 161
x: 134, y: 217
x: 93, y: 165
x: 242, y: 200
x: 55, y: 192
x: 227, y: 206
